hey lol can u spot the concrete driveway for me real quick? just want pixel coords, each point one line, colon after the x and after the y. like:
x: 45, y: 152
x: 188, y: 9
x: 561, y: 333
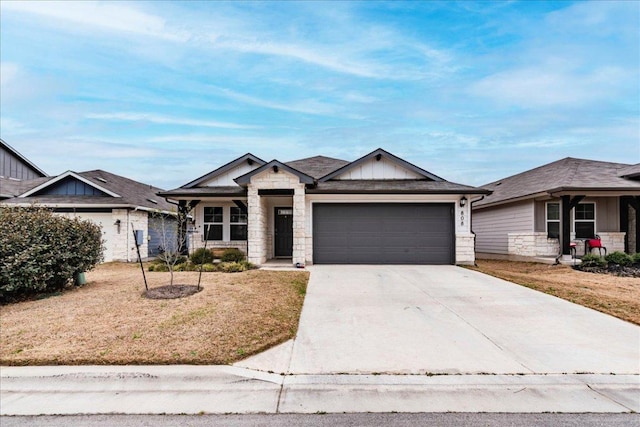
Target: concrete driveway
x: 450, y: 320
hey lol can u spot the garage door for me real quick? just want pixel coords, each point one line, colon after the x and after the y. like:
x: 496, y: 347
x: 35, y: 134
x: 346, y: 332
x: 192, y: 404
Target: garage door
x: 383, y: 233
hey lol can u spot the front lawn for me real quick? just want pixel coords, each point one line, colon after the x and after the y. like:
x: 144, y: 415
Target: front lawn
x: 617, y: 296
x: 109, y: 322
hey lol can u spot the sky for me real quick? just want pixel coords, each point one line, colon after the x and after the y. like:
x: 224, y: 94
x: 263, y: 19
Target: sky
x: 163, y: 92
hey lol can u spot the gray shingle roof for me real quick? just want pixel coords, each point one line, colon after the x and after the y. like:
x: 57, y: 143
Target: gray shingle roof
x: 395, y: 186
x: 234, y: 190
x: 565, y: 174
x: 632, y: 172
x: 13, y: 188
x: 317, y: 166
x: 132, y: 193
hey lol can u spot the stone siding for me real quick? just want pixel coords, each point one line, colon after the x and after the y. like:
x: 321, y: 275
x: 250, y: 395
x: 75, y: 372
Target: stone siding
x: 259, y: 240
x: 465, y: 251
x: 123, y: 246
x: 613, y: 241
x: 532, y: 244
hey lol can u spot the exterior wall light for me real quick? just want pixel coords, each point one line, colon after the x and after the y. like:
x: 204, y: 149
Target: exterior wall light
x: 463, y: 202
x: 117, y: 224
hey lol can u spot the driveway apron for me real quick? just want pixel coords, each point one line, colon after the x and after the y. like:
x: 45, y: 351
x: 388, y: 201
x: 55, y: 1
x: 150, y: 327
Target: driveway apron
x: 450, y: 320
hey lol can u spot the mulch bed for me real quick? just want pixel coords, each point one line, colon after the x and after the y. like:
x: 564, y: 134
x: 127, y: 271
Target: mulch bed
x: 616, y: 270
x: 171, y: 292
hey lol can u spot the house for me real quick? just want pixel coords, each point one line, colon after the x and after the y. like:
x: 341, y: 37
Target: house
x: 378, y: 209
x: 118, y: 204
x: 15, y: 168
x: 540, y: 212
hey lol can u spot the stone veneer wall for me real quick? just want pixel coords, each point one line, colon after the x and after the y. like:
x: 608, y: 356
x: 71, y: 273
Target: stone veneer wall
x: 465, y: 251
x: 123, y: 246
x: 257, y: 221
x: 532, y: 244
x: 613, y: 241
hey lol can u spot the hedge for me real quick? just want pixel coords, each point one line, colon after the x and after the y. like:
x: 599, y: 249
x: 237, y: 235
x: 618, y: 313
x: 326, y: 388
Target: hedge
x: 43, y: 252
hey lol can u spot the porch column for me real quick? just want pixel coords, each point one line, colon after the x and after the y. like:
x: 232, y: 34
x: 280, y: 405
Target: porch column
x: 256, y: 227
x: 299, y: 239
x: 567, y: 204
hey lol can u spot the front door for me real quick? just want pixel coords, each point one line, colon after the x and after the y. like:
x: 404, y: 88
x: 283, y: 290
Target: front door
x: 283, y: 232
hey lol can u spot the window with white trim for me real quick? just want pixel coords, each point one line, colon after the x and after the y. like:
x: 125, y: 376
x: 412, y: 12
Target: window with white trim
x: 553, y: 220
x: 213, y: 222
x: 238, y: 224
x: 584, y: 220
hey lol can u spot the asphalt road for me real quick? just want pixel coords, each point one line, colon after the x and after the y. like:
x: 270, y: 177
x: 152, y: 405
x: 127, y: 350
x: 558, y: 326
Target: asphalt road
x: 332, y: 420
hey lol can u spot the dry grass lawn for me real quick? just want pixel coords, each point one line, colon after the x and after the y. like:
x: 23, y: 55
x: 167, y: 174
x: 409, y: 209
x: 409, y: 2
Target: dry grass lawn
x: 109, y: 322
x: 617, y: 296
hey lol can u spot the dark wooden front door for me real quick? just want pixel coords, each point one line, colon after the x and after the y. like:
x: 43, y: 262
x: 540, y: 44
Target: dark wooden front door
x: 283, y: 232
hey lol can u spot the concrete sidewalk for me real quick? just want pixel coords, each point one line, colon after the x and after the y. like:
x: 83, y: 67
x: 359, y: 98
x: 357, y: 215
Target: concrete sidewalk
x: 223, y: 389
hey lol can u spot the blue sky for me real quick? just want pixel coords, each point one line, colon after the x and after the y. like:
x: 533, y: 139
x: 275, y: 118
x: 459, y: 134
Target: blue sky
x: 164, y: 92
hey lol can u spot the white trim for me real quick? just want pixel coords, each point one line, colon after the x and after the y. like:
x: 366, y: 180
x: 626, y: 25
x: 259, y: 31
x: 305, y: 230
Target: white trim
x: 585, y: 220
x: 64, y: 175
x: 205, y: 234
x: 546, y: 216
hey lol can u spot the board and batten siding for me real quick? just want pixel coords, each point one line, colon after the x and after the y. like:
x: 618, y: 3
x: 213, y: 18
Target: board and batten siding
x: 493, y: 225
x: 14, y: 167
x: 379, y: 169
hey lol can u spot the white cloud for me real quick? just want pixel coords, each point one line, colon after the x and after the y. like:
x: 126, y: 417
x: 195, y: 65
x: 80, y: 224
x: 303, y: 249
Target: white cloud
x: 110, y: 16
x: 154, y: 118
x: 550, y: 85
x: 309, y: 106
x: 8, y: 72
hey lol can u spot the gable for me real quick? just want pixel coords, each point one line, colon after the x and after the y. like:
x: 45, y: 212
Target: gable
x: 70, y: 186
x: 226, y: 178
x: 378, y: 169
x: 14, y: 165
x: 225, y: 175
x: 380, y: 165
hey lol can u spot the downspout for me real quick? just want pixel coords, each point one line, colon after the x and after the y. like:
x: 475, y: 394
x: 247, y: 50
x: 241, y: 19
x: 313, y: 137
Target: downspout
x: 128, y: 234
x: 471, y: 229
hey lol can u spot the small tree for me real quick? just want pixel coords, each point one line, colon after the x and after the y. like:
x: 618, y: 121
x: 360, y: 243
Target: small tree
x: 171, y: 240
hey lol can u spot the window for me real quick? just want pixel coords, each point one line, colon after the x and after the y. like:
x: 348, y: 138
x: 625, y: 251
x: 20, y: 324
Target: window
x: 584, y: 220
x: 213, y: 223
x: 238, y: 227
x: 553, y: 220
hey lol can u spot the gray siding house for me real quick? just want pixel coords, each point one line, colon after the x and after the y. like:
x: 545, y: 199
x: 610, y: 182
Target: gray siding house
x: 15, y: 168
x: 374, y: 210
x: 540, y: 212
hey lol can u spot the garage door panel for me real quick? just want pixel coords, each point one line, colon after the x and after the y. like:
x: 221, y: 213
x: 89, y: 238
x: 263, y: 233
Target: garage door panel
x: 381, y: 233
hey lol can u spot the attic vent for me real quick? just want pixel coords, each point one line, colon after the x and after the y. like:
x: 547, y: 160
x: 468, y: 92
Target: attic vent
x: 152, y: 201
x: 100, y: 179
x: 498, y: 184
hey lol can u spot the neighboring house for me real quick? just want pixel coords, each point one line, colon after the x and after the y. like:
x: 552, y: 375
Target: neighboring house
x: 541, y: 211
x: 118, y: 204
x: 15, y: 168
x: 378, y: 209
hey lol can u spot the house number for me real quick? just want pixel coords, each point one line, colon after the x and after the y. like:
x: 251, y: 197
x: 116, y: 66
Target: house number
x: 461, y: 217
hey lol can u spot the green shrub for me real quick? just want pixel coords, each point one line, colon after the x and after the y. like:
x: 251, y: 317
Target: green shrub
x: 636, y: 258
x: 248, y: 266
x: 592, y: 260
x: 202, y: 256
x: 209, y: 268
x: 619, y: 258
x: 232, y: 267
x: 43, y: 252
x: 232, y: 255
x: 160, y: 268
x: 152, y: 267
x: 180, y: 267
